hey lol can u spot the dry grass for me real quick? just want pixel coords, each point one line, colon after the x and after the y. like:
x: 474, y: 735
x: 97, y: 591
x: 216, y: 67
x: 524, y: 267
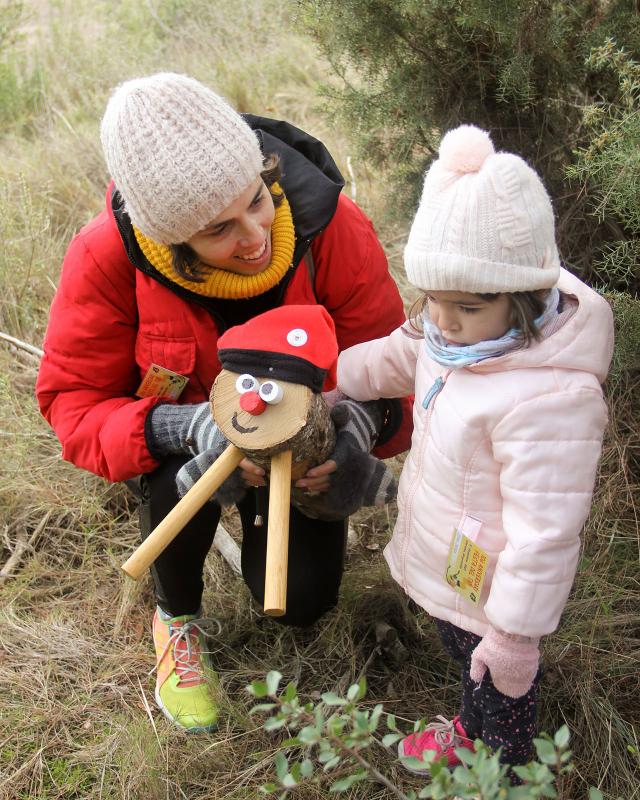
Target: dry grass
x: 76, y: 700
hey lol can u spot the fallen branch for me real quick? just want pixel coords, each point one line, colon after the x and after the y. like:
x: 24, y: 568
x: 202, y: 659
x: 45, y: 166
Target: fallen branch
x: 22, y: 544
x: 228, y: 549
x: 29, y: 348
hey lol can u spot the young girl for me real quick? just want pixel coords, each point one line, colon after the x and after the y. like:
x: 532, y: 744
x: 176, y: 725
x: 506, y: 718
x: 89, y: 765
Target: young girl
x: 508, y: 424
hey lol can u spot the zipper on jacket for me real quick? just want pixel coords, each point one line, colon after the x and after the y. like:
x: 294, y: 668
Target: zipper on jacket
x: 428, y: 403
x: 433, y: 391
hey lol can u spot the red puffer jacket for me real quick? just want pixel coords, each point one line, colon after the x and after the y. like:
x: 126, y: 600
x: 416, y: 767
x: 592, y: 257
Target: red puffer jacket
x: 110, y: 321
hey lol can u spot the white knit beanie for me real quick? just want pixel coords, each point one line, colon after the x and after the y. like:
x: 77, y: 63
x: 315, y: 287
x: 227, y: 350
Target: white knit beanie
x: 484, y: 223
x: 178, y: 153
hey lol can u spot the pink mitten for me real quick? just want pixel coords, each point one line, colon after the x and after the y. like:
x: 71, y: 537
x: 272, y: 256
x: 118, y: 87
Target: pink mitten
x: 511, y: 660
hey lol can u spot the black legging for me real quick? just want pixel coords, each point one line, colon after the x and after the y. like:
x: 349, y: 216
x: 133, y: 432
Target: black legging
x: 486, y: 713
x: 316, y: 551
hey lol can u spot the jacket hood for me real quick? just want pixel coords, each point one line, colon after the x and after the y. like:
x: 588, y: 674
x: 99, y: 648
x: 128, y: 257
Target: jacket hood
x: 584, y: 342
x: 311, y: 180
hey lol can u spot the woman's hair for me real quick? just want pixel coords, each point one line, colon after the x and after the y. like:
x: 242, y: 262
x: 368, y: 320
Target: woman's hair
x: 186, y: 262
x: 526, y: 307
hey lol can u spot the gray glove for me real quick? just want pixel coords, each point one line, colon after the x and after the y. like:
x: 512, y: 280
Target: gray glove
x: 190, y: 429
x: 360, y: 479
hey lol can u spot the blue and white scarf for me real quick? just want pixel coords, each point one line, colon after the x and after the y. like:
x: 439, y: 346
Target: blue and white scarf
x: 456, y: 356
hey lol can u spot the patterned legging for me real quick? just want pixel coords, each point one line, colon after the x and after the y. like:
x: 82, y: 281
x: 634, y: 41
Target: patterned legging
x: 486, y: 713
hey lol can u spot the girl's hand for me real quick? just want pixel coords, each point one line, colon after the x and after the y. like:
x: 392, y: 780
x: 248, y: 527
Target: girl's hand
x: 251, y: 473
x: 512, y: 661
x: 318, y: 478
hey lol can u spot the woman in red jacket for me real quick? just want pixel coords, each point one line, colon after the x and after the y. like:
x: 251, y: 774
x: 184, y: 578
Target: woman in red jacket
x: 212, y: 218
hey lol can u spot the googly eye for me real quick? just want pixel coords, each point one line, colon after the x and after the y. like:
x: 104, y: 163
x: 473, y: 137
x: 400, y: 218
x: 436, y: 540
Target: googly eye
x: 246, y: 383
x: 271, y: 392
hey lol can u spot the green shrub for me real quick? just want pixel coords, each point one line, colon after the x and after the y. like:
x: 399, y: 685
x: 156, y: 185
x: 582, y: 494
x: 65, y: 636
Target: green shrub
x: 608, y: 166
x: 411, y: 70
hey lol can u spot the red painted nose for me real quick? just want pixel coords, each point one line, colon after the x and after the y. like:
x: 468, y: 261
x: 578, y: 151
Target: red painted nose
x: 253, y: 403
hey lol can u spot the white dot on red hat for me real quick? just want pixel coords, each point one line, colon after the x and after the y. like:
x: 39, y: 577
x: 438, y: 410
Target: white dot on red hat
x: 297, y: 337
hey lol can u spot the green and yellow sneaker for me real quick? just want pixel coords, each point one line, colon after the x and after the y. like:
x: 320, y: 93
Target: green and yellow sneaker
x: 184, y: 675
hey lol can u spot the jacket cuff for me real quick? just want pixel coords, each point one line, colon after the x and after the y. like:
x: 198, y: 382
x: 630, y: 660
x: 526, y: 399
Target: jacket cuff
x: 152, y: 446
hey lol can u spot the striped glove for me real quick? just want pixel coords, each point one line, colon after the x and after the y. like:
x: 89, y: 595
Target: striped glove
x: 360, y: 479
x: 190, y: 429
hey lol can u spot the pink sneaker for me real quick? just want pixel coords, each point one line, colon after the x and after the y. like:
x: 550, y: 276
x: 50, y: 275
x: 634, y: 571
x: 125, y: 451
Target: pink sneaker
x: 440, y: 738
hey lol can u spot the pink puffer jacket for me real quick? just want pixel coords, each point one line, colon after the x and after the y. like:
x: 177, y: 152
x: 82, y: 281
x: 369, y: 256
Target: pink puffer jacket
x: 513, y: 441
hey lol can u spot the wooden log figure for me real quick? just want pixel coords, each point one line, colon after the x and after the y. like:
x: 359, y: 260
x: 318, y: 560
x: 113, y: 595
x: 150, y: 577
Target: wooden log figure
x: 267, y: 402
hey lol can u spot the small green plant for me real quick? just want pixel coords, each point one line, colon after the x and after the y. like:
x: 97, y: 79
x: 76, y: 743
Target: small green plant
x: 333, y: 740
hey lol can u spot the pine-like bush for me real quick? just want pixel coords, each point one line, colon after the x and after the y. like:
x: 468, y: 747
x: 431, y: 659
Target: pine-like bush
x: 412, y: 69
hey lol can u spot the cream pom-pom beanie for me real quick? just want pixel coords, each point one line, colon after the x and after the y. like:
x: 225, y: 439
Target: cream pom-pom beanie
x: 178, y: 153
x: 484, y: 223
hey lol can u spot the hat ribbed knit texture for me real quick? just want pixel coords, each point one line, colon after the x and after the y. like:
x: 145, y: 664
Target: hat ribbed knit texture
x: 178, y: 153
x: 484, y: 223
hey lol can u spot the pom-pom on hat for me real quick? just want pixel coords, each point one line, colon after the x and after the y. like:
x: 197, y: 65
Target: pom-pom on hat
x: 294, y: 343
x: 178, y: 153
x: 484, y: 223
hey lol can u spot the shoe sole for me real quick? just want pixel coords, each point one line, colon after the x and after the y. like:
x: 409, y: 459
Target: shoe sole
x: 199, y: 729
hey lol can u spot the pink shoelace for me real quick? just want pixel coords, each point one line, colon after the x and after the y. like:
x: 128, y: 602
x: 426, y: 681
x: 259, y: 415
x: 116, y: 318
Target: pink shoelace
x: 187, y: 651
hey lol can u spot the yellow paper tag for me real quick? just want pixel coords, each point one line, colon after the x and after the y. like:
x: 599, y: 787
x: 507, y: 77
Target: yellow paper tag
x: 466, y: 567
x: 161, y: 382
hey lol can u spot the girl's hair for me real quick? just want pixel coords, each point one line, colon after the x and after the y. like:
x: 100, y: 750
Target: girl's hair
x: 186, y: 262
x: 526, y: 307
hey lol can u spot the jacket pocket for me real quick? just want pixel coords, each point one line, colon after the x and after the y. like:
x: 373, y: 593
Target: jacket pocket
x: 177, y: 354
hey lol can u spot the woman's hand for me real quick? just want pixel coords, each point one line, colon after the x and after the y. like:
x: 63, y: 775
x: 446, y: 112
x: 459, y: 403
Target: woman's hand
x: 315, y: 481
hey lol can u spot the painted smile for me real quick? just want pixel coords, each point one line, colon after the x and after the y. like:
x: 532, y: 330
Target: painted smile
x: 239, y: 427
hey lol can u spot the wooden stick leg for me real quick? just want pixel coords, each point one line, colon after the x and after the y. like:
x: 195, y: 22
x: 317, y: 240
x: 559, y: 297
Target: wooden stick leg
x: 275, y: 584
x: 182, y: 512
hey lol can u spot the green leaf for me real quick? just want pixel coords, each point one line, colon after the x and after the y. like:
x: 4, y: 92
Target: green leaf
x: 346, y: 783
x: 273, y: 681
x: 306, y: 768
x: 391, y: 722
x: 375, y: 717
x: 357, y: 690
x: 289, y: 781
x: 257, y: 689
x: 391, y: 738
x: 332, y: 699
x: 326, y: 754
x: 308, y: 735
x: 331, y: 763
x: 290, y: 693
x: 353, y: 692
x: 282, y: 766
x: 417, y: 764
x: 561, y: 739
x: 546, y: 751
x: 267, y: 788
x: 263, y: 707
x: 465, y: 755
x: 595, y: 794
x: 274, y: 724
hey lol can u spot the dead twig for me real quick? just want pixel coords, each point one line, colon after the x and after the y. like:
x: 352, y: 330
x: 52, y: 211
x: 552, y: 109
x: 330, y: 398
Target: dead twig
x: 22, y: 544
x: 29, y: 348
x: 228, y: 548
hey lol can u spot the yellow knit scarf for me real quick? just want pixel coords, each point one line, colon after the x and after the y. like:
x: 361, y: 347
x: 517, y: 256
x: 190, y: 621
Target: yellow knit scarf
x: 221, y: 282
